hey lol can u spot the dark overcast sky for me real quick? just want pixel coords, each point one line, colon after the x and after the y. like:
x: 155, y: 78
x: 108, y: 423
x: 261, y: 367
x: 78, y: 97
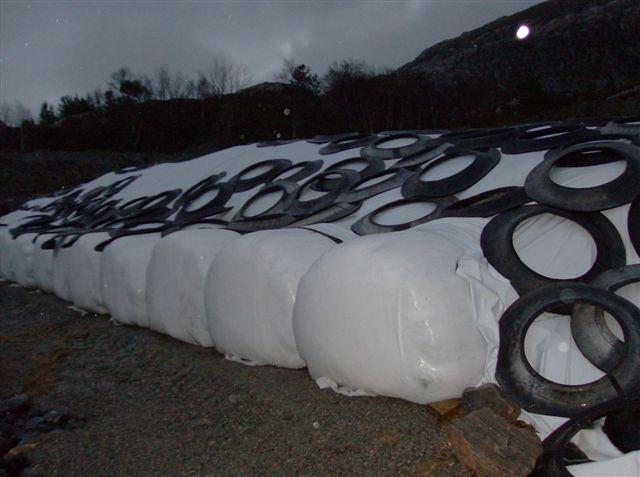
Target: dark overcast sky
x: 49, y: 48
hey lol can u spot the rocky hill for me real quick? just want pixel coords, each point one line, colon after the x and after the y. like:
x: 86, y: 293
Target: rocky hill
x: 584, y: 50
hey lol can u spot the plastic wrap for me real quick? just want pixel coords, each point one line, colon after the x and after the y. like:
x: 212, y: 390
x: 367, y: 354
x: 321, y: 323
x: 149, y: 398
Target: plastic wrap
x: 251, y: 290
x: 123, y: 276
x: 84, y: 275
x: 386, y: 315
x: 23, y: 250
x: 43, y: 264
x: 61, y: 272
x: 175, y: 282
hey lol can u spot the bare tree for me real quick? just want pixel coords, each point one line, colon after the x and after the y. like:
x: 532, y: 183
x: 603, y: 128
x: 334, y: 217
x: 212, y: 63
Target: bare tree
x: 118, y: 77
x: 348, y: 69
x: 286, y: 72
x: 162, y: 83
x: 180, y: 87
x: 14, y: 114
x: 222, y: 77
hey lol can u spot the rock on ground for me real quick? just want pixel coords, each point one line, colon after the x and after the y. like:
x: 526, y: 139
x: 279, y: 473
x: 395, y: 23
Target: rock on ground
x: 492, y: 446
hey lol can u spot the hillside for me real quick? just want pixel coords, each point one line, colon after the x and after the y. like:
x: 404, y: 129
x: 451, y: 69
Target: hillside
x: 578, y: 51
x: 582, y: 58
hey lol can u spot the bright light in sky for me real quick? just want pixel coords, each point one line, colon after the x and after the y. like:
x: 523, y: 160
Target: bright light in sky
x: 522, y: 32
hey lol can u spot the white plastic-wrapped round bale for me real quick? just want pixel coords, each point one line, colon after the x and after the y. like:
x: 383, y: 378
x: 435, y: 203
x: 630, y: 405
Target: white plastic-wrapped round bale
x: 388, y: 315
x: 43, y: 264
x: 123, y: 275
x: 61, y: 287
x: 7, y: 242
x: 250, y: 292
x: 23, y: 250
x: 84, y: 274
x: 175, y: 282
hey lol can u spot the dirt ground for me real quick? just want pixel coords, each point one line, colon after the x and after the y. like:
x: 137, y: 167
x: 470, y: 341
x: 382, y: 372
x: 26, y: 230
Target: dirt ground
x: 144, y: 404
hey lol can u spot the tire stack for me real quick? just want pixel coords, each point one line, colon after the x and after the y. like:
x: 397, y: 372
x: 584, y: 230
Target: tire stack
x: 350, y: 171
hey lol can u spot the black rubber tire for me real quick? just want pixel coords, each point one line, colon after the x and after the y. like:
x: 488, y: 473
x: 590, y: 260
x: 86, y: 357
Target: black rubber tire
x: 481, y: 138
x: 58, y: 204
x: 596, y: 157
x: 277, y: 142
x: 623, y: 429
x: 424, y: 132
x: 589, y: 122
x: 330, y: 237
x: 633, y: 223
x: 196, y: 189
x: 332, y: 213
x: 374, y: 167
x: 615, y: 193
x: 155, y: 207
x: 345, y: 143
x: 127, y: 230
x: 177, y: 226
x: 588, y: 326
x: 132, y: 206
x: 436, y: 149
x: 284, y: 186
x: 482, y: 164
x: 79, y: 214
x: 396, y: 177
x: 303, y: 208
x: 127, y: 170
x: 367, y: 225
x: 213, y: 207
x: 497, y: 245
x: 551, y: 462
x: 106, y: 211
x: 277, y: 167
x: 138, y: 206
x: 532, y: 139
x: 36, y: 224
x: 92, y: 194
x: 420, y: 145
x: 628, y: 126
x: 307, y: 169
x: 265, y: 222
x: 534, y: 393
x: 323, y: 139
x: 119, y: 186
x: 488, y: 204
x: 61, y: 240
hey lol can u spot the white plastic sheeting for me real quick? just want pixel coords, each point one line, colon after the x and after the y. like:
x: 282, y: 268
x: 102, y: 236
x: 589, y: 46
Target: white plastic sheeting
x: 411, y: 314
x: 61, y: 272
x: 252, y: 285
x: 84, y: 273
x: 23, y: 250
x: 175, y: 282
x: 123, y: 276
x: 43, y: 264
x: 7, y: 244
x: 385, y: 315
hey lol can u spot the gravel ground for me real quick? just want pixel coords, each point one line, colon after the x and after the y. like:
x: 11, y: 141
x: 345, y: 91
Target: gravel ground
x: 145, y: 404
